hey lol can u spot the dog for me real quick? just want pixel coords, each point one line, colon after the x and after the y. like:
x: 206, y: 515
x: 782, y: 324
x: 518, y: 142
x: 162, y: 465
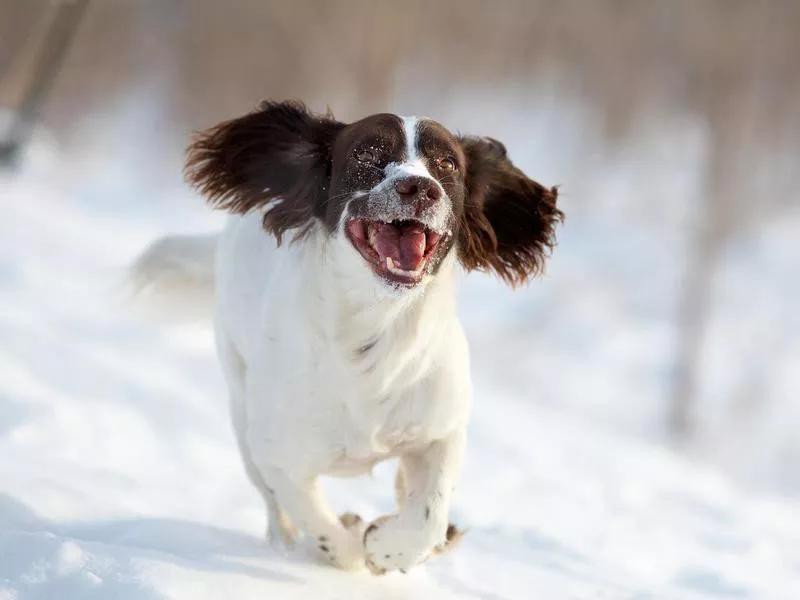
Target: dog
x: 333, y: 293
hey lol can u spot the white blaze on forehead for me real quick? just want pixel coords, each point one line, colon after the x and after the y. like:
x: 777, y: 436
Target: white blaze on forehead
x: 387, y: 205
x: 414, y: 163
x: 410, y: 130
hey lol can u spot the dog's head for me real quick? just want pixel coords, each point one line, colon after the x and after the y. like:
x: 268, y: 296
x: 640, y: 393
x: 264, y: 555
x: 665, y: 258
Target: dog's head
x: 397, y: 193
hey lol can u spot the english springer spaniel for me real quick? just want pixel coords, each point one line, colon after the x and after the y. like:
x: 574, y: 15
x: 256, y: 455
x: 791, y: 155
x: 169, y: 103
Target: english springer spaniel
x: 341, y: 346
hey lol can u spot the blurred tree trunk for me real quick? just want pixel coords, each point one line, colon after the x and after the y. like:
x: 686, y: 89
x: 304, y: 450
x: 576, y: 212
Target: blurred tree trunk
x: 713, y: 227
x: 18, y: 19
x: 39, y: 63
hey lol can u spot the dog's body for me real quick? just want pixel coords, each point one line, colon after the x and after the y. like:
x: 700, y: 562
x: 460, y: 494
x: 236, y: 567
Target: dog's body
x: 343, y: 349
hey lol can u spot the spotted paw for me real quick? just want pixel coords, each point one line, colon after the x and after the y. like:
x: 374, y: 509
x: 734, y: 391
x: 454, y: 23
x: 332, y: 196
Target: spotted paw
x: 374, y: 565
x: 343, y: 549
x: 352, y: 522
x: 392, y: 543
x: 452, y: 539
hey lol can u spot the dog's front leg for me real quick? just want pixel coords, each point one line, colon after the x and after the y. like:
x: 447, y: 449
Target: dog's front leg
x: 420, y: 528
x: 338, y: 541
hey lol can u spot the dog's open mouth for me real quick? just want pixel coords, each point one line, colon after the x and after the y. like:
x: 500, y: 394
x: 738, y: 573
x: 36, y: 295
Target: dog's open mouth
x: 398, y: 251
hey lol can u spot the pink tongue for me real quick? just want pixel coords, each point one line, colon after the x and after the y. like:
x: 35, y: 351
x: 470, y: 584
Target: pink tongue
x: 404, y: 245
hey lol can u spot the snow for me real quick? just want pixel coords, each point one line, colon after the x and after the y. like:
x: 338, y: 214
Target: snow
x: 119, y: 476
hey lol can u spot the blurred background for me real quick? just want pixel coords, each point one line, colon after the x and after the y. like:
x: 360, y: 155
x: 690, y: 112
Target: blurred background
x: 670, y: 308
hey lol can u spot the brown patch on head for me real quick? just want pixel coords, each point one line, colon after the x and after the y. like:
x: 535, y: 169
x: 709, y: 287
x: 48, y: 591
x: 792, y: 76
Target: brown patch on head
x: 442, y: 153
x: 279, y: 152
x: 509, y: 220
x: 360, y: 155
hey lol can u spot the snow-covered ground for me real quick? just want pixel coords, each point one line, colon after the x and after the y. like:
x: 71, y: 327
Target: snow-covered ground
x: 119, y: 476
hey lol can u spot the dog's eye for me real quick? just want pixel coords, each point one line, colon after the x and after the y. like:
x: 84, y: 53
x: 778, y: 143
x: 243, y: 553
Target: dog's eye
x: 367, y: 156
x: 448, y: 164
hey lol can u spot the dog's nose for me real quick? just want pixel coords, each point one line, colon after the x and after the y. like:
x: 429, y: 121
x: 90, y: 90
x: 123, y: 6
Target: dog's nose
x: 421, y: 191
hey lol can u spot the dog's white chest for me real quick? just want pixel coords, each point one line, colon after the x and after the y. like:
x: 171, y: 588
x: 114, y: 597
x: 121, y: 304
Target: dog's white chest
x: 360, y: 454
x: 336, y: 384
x: 374, y: 427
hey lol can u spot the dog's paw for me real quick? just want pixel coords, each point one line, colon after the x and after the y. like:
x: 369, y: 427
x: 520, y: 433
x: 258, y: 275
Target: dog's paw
x: 452, y: 539
x: 375, y: 542
x: 394, y: 544
x: 343, y: 549
x: 353, y: 522
x: 391, y: 545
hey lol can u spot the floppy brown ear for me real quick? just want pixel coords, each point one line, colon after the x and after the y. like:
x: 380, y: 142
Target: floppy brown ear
x: 279, y: 155
x: 509, y: 220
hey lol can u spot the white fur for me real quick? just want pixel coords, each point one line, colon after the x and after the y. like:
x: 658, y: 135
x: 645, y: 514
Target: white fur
x: 410, y: 125
x: 306, y: 401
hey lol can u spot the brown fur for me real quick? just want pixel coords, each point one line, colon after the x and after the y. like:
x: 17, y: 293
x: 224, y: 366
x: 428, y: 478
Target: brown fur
x: 509, y: 220
x: 279, y: 151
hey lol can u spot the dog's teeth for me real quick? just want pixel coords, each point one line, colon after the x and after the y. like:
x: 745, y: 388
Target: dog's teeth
x: 397, y: 271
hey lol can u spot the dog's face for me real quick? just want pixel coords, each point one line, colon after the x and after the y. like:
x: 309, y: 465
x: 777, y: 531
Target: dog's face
x: 396, y: 194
